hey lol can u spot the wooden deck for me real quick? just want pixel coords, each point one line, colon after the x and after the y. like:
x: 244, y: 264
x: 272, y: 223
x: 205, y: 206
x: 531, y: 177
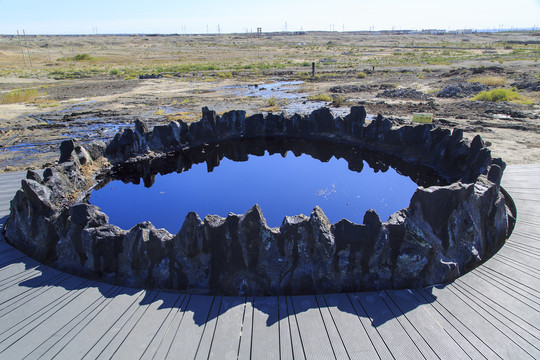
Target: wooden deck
x: 491, y: 313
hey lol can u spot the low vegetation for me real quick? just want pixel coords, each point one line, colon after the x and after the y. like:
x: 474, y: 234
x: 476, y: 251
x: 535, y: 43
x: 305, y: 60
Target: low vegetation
x: 338, y: 100
x: 18, y: 96
x: 61, y: 74
x: 78, y: 57
x: 502, y: 95
x: 361, y: 75
x: 320, y: 97
x: 271, y: 102
x: 489, y: 80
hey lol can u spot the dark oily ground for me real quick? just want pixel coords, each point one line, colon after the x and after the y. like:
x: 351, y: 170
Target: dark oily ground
x: 95, y: 109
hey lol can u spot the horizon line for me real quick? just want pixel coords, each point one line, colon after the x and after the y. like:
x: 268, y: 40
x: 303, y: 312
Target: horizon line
x: 296, y: 32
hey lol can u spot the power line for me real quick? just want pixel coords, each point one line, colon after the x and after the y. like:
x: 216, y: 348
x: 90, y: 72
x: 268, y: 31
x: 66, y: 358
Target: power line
x: 28, y: 51
x: 22, y: 50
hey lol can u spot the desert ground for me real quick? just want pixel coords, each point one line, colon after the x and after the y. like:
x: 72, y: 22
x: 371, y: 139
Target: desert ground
x: 88, y: 87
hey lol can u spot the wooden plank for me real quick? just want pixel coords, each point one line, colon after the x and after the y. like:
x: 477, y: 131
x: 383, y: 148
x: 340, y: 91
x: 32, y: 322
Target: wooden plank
x: 334, y: 335
x: 190, y: 330
x: 459, y: 333
x: 24, y: 296
x: 375, y: 337
x: 532, y: 250
x: 285, y: 341
x: 312, y: 329
x: 5, y: 248
x: 353, y: 335
x: 394, y: 336
x: 10, y: 256
x: 15, y: 272
x: 296, y: 339
x: 413, y: 333
x: 25, y: 339
x: 442, y: 345
x: 229, y: 329
x: 144, y: 331
x: 513, y: 272
x: 64, y: 335
x: 265, y: 338
x: 522, y: 247
x: 162, y: 343
x: 22, y: 287
x: 18, y: 319
x: 119, y: 337
x: 521, y: 293
x: 244, y: 349
x: 522, y: 333
x: 205, y: 344
x: 526, y: 244
x: 499, y: 342
x: 528, y: 210
x: 93, y: 339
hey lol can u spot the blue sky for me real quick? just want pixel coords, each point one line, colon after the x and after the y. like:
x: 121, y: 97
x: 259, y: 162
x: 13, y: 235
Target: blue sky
x: 169, y: 16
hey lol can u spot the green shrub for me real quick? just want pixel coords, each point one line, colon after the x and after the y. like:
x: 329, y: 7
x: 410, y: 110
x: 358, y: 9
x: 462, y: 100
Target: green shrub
x: 82, y: 57
x: 501, y: 95
x: 361, y: 75
x: 78, y: 57
x: 225, y: 75
x: 271, y: 102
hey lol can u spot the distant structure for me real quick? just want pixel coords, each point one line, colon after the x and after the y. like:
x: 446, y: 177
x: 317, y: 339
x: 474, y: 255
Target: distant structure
x: 433, y: 31
x: 259, y: 32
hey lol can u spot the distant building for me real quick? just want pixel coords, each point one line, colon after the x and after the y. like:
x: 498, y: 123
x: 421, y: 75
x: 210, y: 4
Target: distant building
x: 433, y: 31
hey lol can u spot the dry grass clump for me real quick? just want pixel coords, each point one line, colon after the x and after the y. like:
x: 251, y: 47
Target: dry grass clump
x: 271, y: 102
x: 18, y: 96
x: 78, y: 57
x: 271, y: 105
x: 320, y: 97
x: 185, y: 116
x: 338, y: 100
x: 489, y: 80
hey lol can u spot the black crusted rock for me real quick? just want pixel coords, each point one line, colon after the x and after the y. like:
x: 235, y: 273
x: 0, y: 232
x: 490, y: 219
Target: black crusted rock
x: 446, y: 230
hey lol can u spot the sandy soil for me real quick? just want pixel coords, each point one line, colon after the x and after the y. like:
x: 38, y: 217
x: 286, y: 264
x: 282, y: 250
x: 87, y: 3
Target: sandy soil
x: 103, y: 95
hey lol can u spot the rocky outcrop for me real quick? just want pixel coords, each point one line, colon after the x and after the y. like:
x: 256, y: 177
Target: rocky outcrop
x: 441, y: 149
x: 461, y: 90
x: 404, y: 93
x: 446, y: 230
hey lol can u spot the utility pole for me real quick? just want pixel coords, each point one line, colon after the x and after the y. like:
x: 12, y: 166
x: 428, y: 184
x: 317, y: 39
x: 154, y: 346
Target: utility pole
x: 22, y: 51
x: 28, y: 51
x: 218, y: 30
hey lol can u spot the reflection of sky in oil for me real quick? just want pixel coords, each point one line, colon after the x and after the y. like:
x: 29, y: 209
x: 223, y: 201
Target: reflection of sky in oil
x: 281, y: 186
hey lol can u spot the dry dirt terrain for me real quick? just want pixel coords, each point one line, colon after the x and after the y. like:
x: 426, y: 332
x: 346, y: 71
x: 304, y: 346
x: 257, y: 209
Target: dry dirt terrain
x: 89, y: 87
